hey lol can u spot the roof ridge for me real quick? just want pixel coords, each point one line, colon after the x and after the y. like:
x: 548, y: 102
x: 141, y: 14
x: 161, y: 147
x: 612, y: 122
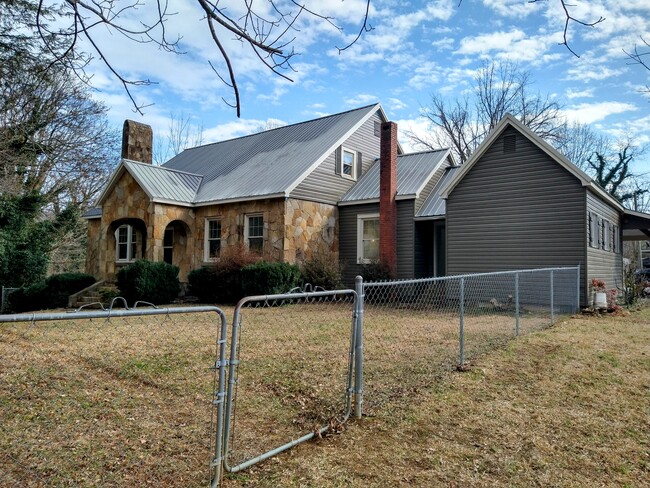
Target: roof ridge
x: 423, y: 152
x: 285, y: 126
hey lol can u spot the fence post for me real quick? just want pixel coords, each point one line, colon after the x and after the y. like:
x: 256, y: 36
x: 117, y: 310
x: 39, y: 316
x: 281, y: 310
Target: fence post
x: 358, y: 353
x: 552, y: 311
x: 577, y: 309
x: 516, y: 303
x: 462, y: 321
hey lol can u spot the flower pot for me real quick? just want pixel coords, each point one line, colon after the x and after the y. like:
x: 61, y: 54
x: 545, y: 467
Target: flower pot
x: 600, y: 299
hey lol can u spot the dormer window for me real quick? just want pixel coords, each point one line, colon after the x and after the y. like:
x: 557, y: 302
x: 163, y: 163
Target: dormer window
x: 349, y: 163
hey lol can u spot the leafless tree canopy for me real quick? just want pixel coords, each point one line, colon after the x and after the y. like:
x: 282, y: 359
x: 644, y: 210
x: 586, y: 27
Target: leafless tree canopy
x: 269, y: 33
x: 182, y: 134
x: 499, y: 88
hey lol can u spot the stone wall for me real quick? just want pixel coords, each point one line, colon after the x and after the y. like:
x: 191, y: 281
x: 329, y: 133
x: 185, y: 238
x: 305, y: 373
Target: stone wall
x: 294, y: 230
x: 311, y: 229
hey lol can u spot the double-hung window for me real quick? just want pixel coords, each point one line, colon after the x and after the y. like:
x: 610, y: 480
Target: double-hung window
x: 348, y: 161
x: 212, y: 240
x: 254, y: 232
x: 126, y: 243
x: 367, y: 238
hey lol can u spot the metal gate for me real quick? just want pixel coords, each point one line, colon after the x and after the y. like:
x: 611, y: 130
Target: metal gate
x: 111, y: 397
x: 282, y: 389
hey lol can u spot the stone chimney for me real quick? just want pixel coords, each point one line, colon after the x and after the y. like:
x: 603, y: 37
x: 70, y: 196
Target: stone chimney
x: 137, y: 141
x: 387, y: 194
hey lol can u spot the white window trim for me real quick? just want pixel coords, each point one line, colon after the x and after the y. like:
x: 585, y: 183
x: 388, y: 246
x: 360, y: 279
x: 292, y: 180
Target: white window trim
x: 130, y: 235
x: 360, y: 219
x: 247, y: 237
x: 352, y: 176
x: 206, y: 240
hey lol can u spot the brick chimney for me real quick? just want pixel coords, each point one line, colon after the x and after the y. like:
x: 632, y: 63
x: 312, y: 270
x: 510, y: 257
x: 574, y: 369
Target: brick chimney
x: 137, y: 141
x: 387, y: 194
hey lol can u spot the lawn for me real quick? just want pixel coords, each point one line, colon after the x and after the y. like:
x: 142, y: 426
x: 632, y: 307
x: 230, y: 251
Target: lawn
x: 127, y: 402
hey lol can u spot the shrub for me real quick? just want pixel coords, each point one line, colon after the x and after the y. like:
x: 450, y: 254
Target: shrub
x: 221, y: 282
x: 324, y: 271
x: 51, y: 293
x: 375, y: 271
x: 269, y: 278
x: 148, y: 281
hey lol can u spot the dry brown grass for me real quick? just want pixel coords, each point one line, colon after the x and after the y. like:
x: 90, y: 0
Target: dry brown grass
x: 564, y: 407
x: 128, y: 403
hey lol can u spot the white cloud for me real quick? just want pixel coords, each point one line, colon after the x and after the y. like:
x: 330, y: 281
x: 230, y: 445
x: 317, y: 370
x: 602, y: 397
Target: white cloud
x: 588, y: 113
x: 396, y: 104
x: 425, y: 74
x: 571, y: 93
x: 361, y: 99
x: 445, y: 43
x: 513, y: 8
x: 231, y: 130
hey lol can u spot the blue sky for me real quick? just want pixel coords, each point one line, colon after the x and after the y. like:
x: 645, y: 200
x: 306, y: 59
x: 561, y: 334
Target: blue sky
x: 414, y: 50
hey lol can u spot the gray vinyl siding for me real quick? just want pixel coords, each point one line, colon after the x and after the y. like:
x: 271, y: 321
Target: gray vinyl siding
x: 426, y: 191
x: 602, y: 264
x: 405, y: 238
x: 323, y: 184
x: 515, y: 211
x: 348, y: 238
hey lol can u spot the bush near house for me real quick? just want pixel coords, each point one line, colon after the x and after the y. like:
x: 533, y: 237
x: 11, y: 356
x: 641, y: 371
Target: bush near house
x: 147, y: 281
x: 269, y: 278
x: 220, y: 282
x: 323, y: 271
x: 51, y: 293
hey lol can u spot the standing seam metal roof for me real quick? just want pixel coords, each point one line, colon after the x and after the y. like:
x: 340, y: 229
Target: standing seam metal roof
x: 434, y: 205
x: 413, y: 171
x: 164, y: 184
x: 266, y: 163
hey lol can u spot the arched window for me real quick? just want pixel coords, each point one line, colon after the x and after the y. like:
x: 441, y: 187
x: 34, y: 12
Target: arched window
x: 126, y: 243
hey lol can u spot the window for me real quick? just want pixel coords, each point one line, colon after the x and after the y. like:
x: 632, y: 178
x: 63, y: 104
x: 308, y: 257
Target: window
x: 367, y: 238
x: 126, y: 244
x: 254, y: 231
x: 594, y: 231
x: 607, y: 235
x: 212, y: 244
x: 348, y: 161
x: 377, y: 128
x: 168, y: 245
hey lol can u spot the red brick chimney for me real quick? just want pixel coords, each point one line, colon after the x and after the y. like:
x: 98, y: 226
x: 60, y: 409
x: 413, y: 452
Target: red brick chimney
x: 137, y: 141
x: 387, y: 194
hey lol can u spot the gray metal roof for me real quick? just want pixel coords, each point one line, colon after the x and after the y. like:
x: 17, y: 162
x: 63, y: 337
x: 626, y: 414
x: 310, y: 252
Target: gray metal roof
x: 267, y: 163
x: 413, y: 172
x: 434, y: 205
x: 161, y: 183
x: 93, y: 213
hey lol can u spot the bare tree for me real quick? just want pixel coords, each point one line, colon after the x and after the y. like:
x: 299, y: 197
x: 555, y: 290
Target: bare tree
x: 499, y: 88
x: 641, y: 56
x: 614, y: 174
x: 269, y: 32
x: 182, y: 134
x: 579, y: 142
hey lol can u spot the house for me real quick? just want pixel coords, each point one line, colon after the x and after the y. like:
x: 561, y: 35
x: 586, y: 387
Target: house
x: 276, y: 192
x: 341, y: 186
x: 518, y: 203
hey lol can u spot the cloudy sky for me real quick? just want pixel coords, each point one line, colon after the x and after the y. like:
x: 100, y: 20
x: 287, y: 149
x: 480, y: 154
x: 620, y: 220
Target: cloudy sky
x: 415, y: 49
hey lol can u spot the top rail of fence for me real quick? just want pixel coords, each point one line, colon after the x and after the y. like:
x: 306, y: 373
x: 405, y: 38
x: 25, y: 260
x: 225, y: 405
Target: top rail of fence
x: 411, y: 281
x: 132, y: 312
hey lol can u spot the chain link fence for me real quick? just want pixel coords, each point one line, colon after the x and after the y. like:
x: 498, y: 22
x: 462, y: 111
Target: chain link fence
x: 290, y: 376
x: 415, y: 330
x: 115, y: 398
x: 4, y: 299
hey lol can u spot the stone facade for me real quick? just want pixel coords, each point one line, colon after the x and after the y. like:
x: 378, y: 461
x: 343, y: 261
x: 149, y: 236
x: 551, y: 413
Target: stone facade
x: 294, y: 230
